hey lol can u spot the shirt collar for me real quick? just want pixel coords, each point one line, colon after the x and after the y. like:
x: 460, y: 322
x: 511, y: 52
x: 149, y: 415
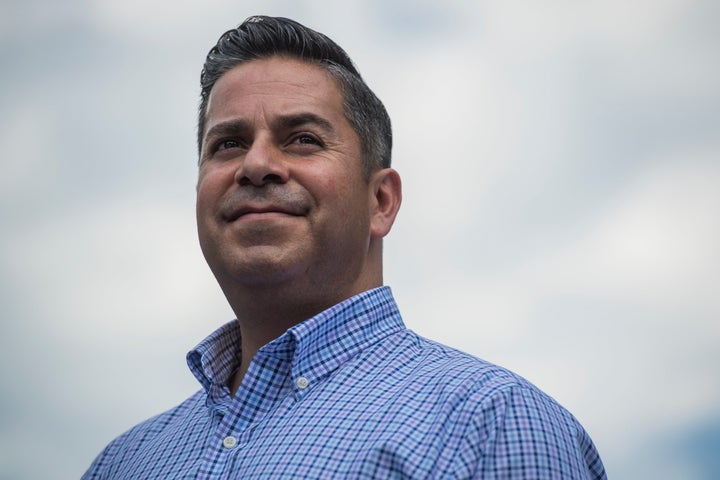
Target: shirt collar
x: 316, y: 346
x: 334, y: 336
x: 214, y: 359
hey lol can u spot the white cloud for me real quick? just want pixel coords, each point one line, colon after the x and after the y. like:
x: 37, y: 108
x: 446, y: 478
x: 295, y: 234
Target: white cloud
x: 118, y: 268
x: 26, y: 142
x: 619, y: 321
x: 610, y: 303
x: 658, y: 243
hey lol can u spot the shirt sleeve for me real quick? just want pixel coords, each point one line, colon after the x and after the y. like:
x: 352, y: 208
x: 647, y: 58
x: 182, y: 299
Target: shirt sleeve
x: 520, y: 433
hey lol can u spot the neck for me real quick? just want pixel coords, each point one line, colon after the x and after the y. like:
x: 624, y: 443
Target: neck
x: 267, y: 309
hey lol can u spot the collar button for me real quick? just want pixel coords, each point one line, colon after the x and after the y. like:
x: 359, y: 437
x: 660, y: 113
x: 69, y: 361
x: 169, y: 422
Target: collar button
x: 302, y: 383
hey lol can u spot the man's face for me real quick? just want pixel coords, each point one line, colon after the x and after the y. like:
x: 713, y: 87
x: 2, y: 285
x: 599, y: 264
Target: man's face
x: 281, y: 195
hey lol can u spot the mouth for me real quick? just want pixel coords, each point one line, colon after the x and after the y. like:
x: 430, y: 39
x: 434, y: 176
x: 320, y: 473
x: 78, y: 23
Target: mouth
x: 262, y: 212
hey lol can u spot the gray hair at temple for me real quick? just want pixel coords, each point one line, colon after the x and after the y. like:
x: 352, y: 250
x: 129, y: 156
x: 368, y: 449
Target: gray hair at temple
x: 263, y: 37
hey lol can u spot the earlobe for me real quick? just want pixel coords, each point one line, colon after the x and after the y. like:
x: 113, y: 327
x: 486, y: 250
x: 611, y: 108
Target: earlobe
x: 387, y: 197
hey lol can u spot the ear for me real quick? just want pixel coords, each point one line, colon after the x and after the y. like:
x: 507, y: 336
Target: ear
x: 386, y: 191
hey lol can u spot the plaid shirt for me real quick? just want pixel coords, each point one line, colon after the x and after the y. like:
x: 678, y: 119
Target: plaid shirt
x: 351, y: 393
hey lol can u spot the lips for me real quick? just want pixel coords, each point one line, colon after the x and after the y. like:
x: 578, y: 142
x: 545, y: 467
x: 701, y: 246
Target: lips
x: 253, y: 210
x: 238, y: 209
x: 267, y: 202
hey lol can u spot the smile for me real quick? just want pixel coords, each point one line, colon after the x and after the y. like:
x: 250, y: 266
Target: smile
x: 262, y: 213
x: 266, y: 215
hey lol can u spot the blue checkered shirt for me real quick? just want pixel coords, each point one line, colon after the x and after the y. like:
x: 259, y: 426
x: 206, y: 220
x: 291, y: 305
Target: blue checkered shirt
x: 351, y: 393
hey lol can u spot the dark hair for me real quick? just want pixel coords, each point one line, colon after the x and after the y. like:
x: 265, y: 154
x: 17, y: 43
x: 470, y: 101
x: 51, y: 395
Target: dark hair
x: 262, y: 37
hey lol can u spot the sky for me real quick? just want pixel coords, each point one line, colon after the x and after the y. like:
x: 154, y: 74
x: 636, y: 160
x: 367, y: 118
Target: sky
x: 561, y: 213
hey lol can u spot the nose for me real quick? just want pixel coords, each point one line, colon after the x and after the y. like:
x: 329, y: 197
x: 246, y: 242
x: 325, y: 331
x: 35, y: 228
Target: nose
x: 263, y: 163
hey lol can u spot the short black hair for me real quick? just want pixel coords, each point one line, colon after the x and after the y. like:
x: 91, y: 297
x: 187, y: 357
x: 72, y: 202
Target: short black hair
x: 261, y: 37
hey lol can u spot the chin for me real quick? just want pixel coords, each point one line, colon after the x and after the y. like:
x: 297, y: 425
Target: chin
x: 260, y: 266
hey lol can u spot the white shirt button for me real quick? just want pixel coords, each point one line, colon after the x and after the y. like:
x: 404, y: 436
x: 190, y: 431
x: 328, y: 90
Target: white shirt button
x: 229, y: 441
x: 302, y: 383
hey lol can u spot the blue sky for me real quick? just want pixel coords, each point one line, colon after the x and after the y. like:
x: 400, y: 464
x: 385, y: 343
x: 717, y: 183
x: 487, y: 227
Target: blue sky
x: 561, y: 216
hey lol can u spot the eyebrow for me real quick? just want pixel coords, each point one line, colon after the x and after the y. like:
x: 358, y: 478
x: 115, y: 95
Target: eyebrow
x: 228, y: 128
x: 241, y: 126
x: 300, y: 119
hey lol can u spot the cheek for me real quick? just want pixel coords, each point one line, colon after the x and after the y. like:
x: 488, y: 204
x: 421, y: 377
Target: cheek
x: 352, y: 206
x: 211, y: 187
x: 202, y: 205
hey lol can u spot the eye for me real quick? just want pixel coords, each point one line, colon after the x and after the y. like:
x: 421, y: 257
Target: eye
x: 227, y: 144
x: 304, y: 144
x: 306, y: 139
x: 224, y: 148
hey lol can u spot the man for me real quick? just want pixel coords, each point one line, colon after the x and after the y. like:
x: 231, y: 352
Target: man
x: 318, y: 377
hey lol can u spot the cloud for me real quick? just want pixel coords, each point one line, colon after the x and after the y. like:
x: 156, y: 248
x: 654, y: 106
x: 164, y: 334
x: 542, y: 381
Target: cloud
x: 657, y: 242
x: 560, y: 218
x: 630, y: 299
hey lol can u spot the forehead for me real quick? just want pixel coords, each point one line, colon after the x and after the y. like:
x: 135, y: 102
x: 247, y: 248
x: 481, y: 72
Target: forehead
x: 274, y: 85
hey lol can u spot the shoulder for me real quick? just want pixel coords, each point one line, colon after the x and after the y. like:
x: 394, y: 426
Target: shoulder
x: 126, y: 446
x: 440, y: 364
x: 508, y: 427
x: 453, y: 380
